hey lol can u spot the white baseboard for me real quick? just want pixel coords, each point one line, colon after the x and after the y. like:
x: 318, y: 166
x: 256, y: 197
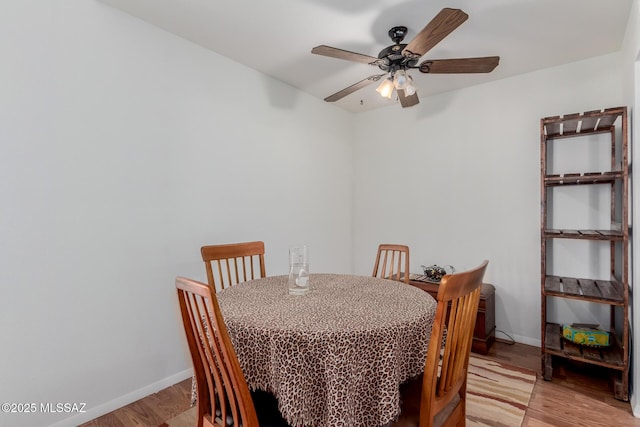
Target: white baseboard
x: 518, y: 338
x: 123, y: 400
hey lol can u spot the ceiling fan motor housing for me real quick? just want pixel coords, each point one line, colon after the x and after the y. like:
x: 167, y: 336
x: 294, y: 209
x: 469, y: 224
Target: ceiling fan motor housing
x: 393, y: 59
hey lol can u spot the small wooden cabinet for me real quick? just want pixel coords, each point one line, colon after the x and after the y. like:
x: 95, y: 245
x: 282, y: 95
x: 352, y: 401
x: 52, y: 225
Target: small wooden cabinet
x: 485, y: 330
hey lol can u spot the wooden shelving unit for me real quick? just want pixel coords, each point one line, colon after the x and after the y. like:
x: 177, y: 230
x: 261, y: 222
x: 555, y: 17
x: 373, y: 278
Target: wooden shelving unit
x: 613, y: 292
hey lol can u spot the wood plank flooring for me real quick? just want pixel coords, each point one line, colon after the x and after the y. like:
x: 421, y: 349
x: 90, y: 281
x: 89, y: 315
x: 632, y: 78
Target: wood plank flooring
x: 152, y: 410
x: 578, y: 395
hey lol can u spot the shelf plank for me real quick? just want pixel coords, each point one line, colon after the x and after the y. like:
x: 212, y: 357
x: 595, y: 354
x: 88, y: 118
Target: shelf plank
x: 584, y: 234
x: 591, y: 233
x: 589, y: 288
x: 552, y: 341
x: 609, y: 357
x: 553, y: 127
x: 582, y: 178
x: 571, y: 350
x: 610, y: 233
x: 553, y: 284
x: 585, y: 123
x: 614, y: 357
x: 570, y: 123
x: 592, y: 353
x: 571, y: 286
x: 607, y: 121
x: 600, y: 291
x: 589, y: 122
x: 611, y: 290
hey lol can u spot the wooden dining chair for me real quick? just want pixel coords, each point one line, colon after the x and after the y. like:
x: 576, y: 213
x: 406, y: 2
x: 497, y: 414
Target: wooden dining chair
x: 392, y: 262
x: 438, y: 396
x: 233, y: 263
x: 223, y: 396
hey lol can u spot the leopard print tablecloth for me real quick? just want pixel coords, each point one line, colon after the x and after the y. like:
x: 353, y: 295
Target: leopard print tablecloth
x: 335, y: 356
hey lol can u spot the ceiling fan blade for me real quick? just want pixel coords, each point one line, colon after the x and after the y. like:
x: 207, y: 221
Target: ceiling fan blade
x: 354, y: 87
x: 407, y: 101
x: 440, y: 26
x: 334, y: 52
x: 484, y: 64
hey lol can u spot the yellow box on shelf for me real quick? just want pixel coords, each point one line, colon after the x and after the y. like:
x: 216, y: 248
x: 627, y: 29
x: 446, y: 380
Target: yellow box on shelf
x: 586, y: 335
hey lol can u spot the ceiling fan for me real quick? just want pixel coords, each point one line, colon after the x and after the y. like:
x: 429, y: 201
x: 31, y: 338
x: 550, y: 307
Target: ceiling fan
x: 396, y: 59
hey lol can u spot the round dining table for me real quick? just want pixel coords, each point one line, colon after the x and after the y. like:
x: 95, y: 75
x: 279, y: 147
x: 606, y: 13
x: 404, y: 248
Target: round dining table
x: 335, y: 356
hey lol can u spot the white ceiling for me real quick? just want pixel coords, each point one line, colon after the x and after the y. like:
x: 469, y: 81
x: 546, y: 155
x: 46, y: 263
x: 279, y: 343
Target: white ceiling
x: 275, y: 37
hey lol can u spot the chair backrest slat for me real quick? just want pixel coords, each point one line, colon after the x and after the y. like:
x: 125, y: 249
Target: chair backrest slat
x: 230, y: 263
x: 392, y: 262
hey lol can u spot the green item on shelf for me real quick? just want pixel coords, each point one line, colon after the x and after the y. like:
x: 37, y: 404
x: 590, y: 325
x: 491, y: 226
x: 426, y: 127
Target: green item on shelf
x: 586, y: 335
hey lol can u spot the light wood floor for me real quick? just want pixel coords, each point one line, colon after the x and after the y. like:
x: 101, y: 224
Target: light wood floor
x: 579, y: 395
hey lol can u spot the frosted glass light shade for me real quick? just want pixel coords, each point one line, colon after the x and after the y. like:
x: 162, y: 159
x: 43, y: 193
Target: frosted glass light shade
x: 386, y: 88
x: 400, y: 79
x: 409, y: 87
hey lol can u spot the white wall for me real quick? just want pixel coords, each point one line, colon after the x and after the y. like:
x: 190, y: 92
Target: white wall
x: 121, y: 153
x: 458, y: 178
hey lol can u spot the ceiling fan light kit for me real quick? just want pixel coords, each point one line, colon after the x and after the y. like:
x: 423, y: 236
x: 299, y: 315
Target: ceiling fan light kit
x: 396, y: 59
